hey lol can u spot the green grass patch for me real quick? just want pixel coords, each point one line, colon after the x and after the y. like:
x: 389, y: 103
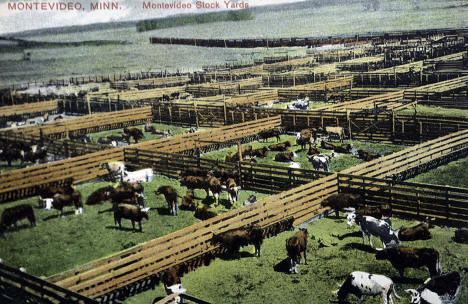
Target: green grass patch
x: 254, y: 280
x: 435, y: 111
x: 59, y: 244
x: 343, y: 161
x: 453, y: 174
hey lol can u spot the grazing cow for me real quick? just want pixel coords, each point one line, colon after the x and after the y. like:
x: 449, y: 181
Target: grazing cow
x: 232, y: 190
x: 260, y: 152
x: 444, y: 288
x: 305, y: 137
x: 136, y: 133
x: 335, y: 132
x: 378, y: 212
x: 296, y: 246
x: 461, y: 236
x: 68, y: 199
x: 281, y: 147
x: 382, y: 229
x: 402, y: 258
x: 340, y: 201
x: 100, y: 195
x: 363, y: 284
x: 188, y: 201
x: 275, y: 132
x: 320, y: 161
x: 233, y: 239
x: 285, y: 157
x: 251, y: 200
x: 204, y: 213
x: 12, y: 215
x: 209, y: 183
x: 367, y: 156
x: 130, y: 212
x: 418, y: 232
x: 313, y: 151
x: 171, y: 198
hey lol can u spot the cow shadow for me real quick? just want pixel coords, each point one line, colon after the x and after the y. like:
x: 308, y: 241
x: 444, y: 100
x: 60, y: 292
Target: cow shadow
x: 163, y: 211
x: 358, y: 246
x: 122, y: 229
x: 53, y: 216
x: 282, y: 266
x: 348, y: 235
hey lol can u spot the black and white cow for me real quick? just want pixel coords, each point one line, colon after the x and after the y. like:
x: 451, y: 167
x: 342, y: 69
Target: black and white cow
x: 440, y: 289
x: 363, y: 284
x: 382, y: 229
x: 320, y: 161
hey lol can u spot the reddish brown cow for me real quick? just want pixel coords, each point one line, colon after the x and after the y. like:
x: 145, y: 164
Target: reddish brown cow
x: 402, y: 258
x: 12, y: 215
x: 260, y: 152
x: 275, y: 132
x: 418, y: 232
x: 305, y: 137
x: 133, y: 213
x: 100, y: 195
x: 284, y: 157
x: 367, y: 156
x: 210, y: 184
x: 296, y: 246
x: 171, y: 198
x: 233, y: 239
x: 188, y: 201
x: 68, y: 199
x: 283, y: 146
x: 340, y: 201
x: 136, y: 133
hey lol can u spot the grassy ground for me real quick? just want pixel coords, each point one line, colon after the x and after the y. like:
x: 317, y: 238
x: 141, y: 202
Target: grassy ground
x: 58, y: 244
x: 343, y: 161
x: 263, y: 280
x: 435, y: 111
x: 453, y: 174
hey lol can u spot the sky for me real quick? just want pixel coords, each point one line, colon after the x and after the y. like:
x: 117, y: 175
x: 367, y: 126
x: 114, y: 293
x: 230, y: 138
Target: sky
x: 15, y: 15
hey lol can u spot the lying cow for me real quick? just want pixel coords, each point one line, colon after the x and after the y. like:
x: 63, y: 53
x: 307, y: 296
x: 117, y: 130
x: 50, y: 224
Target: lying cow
x: 171, y: 198
x: 204, y: 213
x: 12, y: 215
x: 251, y: 200
x: 233, y: 239
x: 444, y: 288
x: 260, y: 152
x: 367, y: 156
x: 130, y: 212
x: 281, y: 147
x: 363, y: 284
x: 402, y: 258
x: 100, y: 195
x: 382, y: 229
x: 296, y: 246
x: 341, y: 201
x: 188, y: 201
x: 418, y: 232
x: 285, y: 157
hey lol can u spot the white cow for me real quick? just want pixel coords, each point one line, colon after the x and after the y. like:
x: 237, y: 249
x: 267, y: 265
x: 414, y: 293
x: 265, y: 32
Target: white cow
x: 140, y: 176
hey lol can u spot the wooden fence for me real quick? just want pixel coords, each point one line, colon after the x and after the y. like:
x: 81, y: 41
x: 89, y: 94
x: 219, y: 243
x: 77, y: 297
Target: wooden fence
x: 30, y: 109
x: 226, y: 87
x: 192, y: 244
x: 151, y: 83
x: 20, y: 287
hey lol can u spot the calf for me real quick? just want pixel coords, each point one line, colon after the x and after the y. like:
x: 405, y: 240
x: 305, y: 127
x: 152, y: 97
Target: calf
x: 336, y: 132
x: 233, y: 239
x: 363, y: 284
x: 382, y: 229
x: 12, y: 215
x: 402, y: 258
x: 340, y: 201
x: 444, y: 288
x: 297, y: 246
x: 188, y: 201
x: 130, y: 212
x: 260, y: 152
x: 285, y: 157
x: 418, y: 232
x: 171, y: 198
x: 280, y: 146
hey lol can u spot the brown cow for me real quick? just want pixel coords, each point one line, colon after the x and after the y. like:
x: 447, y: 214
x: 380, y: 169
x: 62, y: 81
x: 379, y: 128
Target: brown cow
x: 260, y: 152
x: 130, y: 212
x: 335, y: 131
x: 283, y: 146
x: 275, y: 132
x: 204, y: 213
x: 402, y: 258
x: 233, y: 239
x: 131, y: 193
x: 136, y: 133
x: 171, y: 198
x: 313, y: 151
x: 100, y: 195
x: 68, y: 199
x: 12, y: 215
x: 296, y: 246
x: 367, y: 156
x: 305, y: 137
x: 232, y: 189
x: 285, y: 157
x: 210, y: 184
x: 377, y: 212
x: 418, y: 232
x: 340, y: 201
x: 188, y: 201
x: 172, y: 283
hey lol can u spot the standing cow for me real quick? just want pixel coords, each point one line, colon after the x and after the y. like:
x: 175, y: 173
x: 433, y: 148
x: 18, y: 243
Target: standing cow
x: 296, y: 246
x: 12, y: 215
x: 171, y: 198
x: 233, y: 239
x: 130, y: 212
x: 382, y: 229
